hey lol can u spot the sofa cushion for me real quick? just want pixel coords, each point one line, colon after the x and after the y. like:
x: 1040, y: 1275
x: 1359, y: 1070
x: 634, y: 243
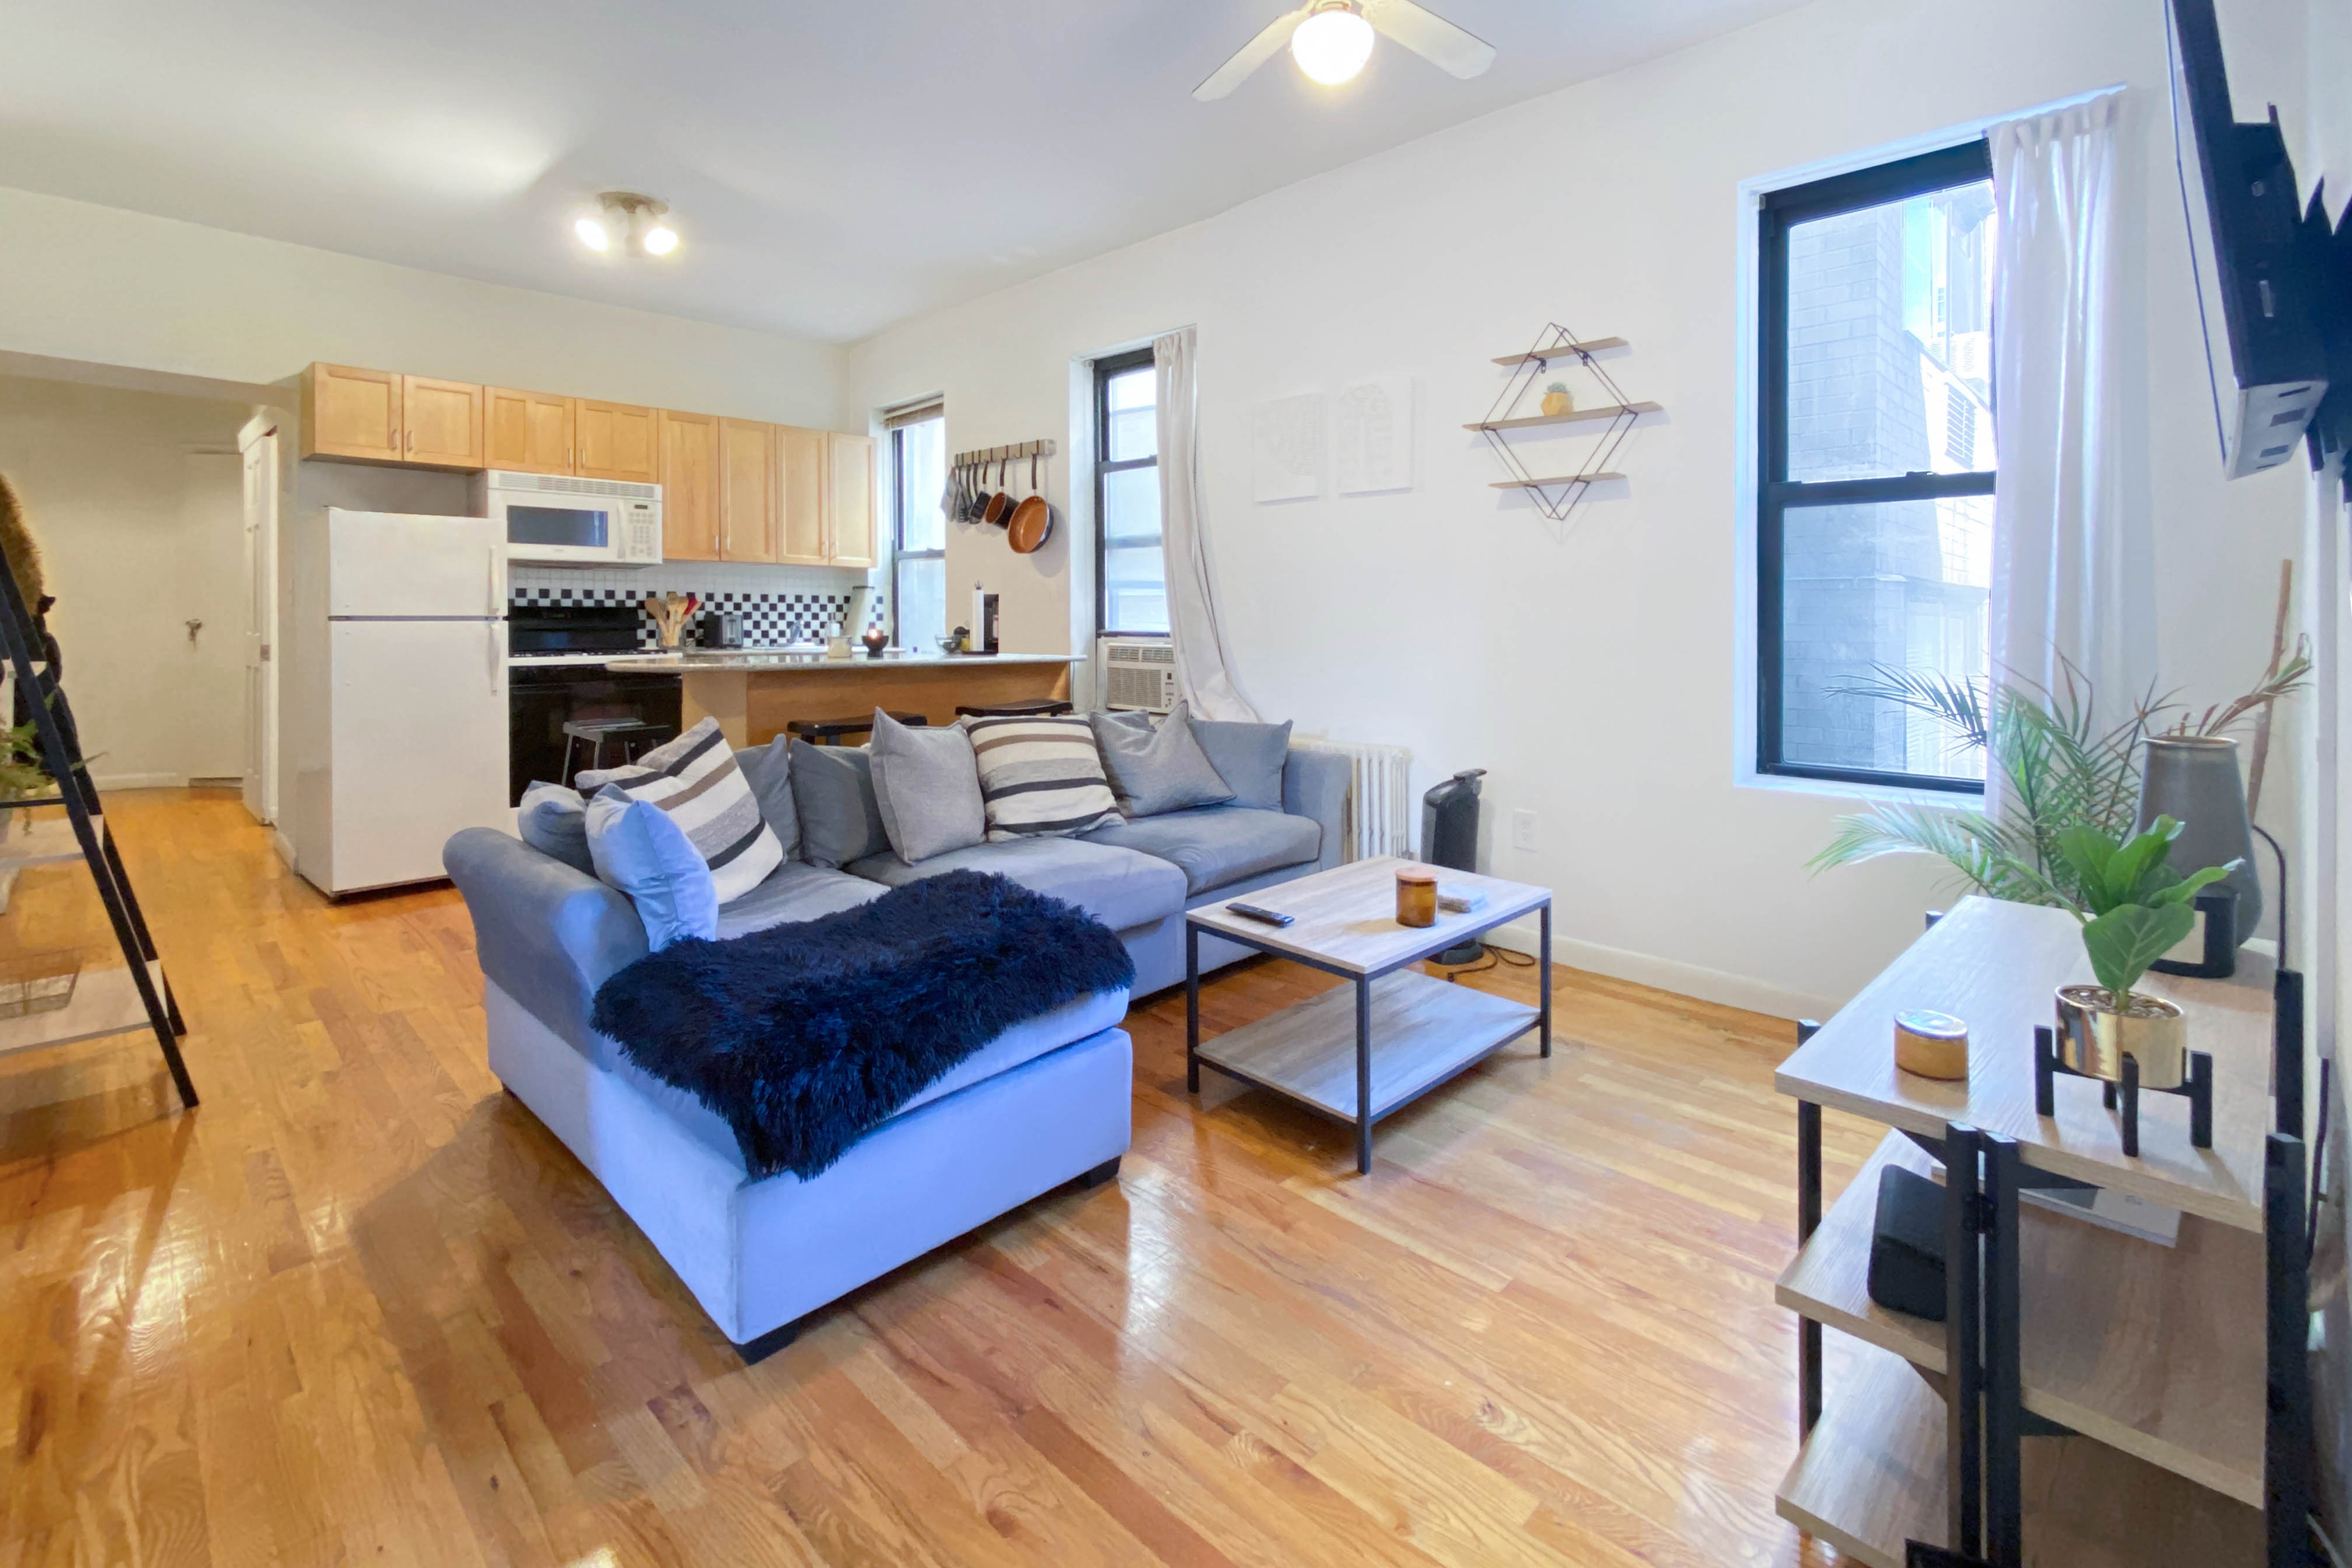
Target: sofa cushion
x: 553, y: 820
x: 1041, y: 775
x: 1157, y: 769
x: 1215, y: 844
x: 1248, y: 757
x: 640, y: 848
x: 796, y: 890
x: 769, y: 771
x: 929, y: 788
x: 833, y: 788
x: 694, y: 778
x: 1118, y: 887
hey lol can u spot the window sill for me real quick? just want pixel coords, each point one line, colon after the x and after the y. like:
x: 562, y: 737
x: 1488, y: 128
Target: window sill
x: 1860, y: 794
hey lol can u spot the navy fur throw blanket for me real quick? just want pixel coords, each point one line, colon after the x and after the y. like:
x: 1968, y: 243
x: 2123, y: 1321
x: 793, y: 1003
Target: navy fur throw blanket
x: 805, y: 1037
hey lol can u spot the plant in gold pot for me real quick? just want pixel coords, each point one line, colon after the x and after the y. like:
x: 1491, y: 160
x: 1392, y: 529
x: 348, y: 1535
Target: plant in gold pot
x: 2134, y: 907
x: 1556, y: 399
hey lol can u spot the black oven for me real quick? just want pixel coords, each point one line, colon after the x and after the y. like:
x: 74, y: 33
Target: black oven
x: 543, y: 697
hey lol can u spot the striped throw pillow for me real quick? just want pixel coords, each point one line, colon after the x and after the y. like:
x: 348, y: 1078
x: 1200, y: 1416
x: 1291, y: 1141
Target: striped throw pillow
x: 694, y: 778
x: 1040, y: 778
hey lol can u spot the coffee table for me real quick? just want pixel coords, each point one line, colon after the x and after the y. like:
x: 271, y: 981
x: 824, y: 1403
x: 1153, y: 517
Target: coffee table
x: 1358, y: 1052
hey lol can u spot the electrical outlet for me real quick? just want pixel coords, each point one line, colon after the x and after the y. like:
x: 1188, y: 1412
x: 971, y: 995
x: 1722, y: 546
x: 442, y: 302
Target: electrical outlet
x: 1523, y: 830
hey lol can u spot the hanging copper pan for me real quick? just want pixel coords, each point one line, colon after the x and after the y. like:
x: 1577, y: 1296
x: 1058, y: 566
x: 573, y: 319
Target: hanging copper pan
x: 1000, y: 503
x: 1033, y: 521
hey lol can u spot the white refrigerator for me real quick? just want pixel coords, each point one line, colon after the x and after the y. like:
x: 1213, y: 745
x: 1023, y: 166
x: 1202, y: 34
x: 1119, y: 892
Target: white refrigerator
x: 400, y: 721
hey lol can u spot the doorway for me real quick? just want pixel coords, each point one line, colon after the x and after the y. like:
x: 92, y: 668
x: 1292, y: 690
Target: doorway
x: 259, y: 444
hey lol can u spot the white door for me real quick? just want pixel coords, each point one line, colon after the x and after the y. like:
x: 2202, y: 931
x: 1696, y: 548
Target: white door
x: 419, y: 744
x: 260, y: 447
x: 390, y: 563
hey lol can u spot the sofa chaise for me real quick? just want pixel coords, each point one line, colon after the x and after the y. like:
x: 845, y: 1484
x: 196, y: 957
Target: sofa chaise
x: 1045, y: 1103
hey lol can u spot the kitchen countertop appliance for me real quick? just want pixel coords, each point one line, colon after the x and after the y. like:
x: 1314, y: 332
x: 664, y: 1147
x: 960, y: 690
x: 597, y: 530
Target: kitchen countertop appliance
x: 396, y: 706
x: 720, y: 628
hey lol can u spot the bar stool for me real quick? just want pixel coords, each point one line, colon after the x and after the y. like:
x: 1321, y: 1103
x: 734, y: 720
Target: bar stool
x: 829, y: 731
x: 630, y: 735
x: 1030, y: 708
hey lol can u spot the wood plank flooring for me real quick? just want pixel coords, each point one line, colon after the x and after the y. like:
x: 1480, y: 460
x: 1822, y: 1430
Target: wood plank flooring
x: 360, y: 1308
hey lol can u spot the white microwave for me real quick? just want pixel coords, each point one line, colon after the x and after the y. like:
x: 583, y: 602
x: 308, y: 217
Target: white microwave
x: 554, y: 519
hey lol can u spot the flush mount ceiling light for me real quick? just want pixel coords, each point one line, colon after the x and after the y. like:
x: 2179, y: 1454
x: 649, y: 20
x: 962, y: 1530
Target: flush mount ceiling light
x: 1331, y: 40
x: 628, y: 223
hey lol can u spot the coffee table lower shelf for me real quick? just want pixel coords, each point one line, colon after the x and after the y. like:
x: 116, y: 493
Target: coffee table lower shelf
x: 1872, y: 1477
x: 1424, y: 1031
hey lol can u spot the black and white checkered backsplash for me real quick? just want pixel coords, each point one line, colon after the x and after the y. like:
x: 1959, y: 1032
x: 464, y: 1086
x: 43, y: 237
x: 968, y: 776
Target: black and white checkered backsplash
x: 770, y: 620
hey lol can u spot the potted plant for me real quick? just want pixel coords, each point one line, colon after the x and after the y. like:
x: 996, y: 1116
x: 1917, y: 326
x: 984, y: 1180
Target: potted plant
x: 2134, y: 907
x: 1556, y: 399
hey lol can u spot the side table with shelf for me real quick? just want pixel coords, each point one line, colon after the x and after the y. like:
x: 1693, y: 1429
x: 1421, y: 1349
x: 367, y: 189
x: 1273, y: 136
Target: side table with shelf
x: 2091, y: 1398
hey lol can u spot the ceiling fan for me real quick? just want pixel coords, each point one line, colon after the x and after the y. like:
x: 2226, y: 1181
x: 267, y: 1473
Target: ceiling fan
x: 1331, y: 40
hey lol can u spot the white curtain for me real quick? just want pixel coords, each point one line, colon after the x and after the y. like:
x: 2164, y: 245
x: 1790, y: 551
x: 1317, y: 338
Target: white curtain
x: 1204, y: 673
x: 2069, y: 567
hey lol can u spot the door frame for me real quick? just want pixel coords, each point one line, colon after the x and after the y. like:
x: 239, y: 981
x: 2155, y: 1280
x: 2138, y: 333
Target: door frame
x: 262, y: 507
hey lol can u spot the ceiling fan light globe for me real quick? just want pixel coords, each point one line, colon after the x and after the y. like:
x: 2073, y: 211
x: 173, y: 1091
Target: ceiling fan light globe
x: 1332, y: 46
x: 591, y: 233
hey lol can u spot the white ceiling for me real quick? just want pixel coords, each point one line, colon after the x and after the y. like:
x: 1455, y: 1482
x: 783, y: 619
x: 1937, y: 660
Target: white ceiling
x: 833, y: 167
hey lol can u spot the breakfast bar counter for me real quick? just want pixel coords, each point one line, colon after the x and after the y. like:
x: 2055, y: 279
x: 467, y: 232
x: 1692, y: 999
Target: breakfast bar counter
x: 755, y: 692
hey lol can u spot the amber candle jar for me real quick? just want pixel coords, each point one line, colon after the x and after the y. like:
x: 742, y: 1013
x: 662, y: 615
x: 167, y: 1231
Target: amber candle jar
x: 1416, y: 896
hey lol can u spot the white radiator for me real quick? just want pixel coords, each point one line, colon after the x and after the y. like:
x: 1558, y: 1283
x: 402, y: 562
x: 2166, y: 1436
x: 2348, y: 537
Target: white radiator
x: 1379, y: 796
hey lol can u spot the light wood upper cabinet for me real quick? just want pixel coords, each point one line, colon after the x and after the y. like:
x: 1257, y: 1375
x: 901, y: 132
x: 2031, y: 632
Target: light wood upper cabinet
x: 800, y: 488
x: 527, y: 432
x: 689, y: 482
x: 615, y: 442
x: 442, y: 422
x: 747, y: 490
x: 349, y: 412
x: 849, y: 505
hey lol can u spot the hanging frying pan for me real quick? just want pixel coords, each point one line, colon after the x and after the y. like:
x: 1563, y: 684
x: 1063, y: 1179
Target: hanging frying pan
x: 1033, y: 521
x: 1000, y: 503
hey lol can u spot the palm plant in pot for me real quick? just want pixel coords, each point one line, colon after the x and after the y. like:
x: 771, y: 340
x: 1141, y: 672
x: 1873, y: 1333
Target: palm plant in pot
x: 2133, y: 907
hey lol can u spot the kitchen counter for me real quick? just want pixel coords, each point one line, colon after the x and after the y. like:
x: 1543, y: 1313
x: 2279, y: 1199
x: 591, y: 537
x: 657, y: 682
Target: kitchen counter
x: 755, y: 692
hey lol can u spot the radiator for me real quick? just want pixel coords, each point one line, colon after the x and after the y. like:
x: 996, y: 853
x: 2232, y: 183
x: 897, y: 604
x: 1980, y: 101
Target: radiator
x: 1379, y: 819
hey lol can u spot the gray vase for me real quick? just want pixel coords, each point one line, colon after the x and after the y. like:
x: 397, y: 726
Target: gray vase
x: 2194, y: 779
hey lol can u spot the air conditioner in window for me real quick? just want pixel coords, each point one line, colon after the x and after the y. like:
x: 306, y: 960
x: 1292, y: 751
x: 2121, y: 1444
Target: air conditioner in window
x: 1140, y: 672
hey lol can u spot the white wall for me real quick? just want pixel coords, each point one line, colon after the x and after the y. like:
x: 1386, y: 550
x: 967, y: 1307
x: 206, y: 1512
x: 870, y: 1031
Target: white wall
x: 1593, y: 667
x: 136, y: 501
x: 94, y: 283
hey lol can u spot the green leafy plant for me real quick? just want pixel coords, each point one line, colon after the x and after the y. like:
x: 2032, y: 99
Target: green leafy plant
x: 2132, y: 906
x: 1557, y: 387
x: 20, y: 774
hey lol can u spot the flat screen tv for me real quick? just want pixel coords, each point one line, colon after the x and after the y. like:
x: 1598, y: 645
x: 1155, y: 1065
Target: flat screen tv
x: 2256, y: 288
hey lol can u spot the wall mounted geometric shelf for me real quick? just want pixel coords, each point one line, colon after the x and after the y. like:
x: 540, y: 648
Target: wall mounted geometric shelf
x: 1557, y: 497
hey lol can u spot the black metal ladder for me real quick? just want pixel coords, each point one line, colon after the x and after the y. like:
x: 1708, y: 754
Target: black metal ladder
x: 60, y: 754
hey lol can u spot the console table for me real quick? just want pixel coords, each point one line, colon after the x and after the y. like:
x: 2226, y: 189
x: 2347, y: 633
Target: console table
x: 2091, y: 1398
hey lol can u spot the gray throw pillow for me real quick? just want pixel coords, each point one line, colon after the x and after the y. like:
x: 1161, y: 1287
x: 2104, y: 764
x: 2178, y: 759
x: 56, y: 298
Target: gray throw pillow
x: 833, y: 788
x: 1157, y: 770
x: 768, y: 770
x: 928, y: 786
x: 553, y: 820
x: 1248, y: 757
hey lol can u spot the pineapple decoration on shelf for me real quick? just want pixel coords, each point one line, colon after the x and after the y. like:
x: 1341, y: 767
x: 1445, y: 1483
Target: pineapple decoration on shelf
x: 1556, y: 399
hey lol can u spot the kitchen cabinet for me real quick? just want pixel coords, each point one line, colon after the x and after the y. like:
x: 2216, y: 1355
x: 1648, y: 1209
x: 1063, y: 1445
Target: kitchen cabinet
x: 800, y: 488
x: 689, y: 482
x: 350, y: 413
x: 441, y: 422
x: 615, y: 442
x: 527, y: 432
x: 849, y: 501
x: 747, y: 491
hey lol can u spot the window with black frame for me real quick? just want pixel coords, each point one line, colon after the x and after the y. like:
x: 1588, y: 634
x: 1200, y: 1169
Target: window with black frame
x: 919, y: 526
x: 1130, y: 570
x: 1875, y: 470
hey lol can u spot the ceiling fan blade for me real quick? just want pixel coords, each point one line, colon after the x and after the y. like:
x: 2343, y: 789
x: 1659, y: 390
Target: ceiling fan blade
x: 1250, y: 56
x: 1431, y: 36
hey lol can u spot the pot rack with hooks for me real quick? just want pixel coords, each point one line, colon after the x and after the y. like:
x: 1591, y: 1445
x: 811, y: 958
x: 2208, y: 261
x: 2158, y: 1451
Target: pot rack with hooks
x: 987, y: 454
x: 1557, y: 495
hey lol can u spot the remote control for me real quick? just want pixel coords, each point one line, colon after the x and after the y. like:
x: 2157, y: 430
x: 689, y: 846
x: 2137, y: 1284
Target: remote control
x: 1268, y: 917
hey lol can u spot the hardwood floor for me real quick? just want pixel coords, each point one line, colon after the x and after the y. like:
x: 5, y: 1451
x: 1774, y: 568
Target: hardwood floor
x: 360, y: 1308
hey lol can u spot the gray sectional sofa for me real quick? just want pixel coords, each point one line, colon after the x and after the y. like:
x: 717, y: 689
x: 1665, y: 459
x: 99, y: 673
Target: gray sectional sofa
x: 1042, y: 1104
